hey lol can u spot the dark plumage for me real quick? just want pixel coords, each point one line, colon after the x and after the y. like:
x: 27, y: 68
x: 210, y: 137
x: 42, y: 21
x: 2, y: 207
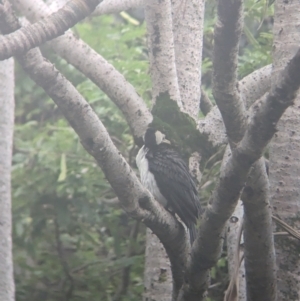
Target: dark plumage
x: 167, y: 177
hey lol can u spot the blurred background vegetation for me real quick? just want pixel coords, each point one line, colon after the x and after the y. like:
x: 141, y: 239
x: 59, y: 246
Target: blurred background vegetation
x: 71, y: 239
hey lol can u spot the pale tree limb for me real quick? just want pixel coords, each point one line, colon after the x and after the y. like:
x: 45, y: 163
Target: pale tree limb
x: 157, y: 273
x: 158, y: 16
x: 212, y: 126
x: 254, y: 85
x: 225, y: 59
x: 7, y: 105
x: 47, y: 29
x: 105, y: 7
x: 261, y: 129
x: 227, y: 96
x: 116, y: 6
x: 188, y: 17
x: 96, y: 68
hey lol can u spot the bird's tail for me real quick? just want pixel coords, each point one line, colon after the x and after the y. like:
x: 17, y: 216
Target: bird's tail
x: 193, y: 233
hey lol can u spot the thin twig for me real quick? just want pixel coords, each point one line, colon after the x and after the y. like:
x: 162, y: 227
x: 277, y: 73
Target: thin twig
x: 285, y: 226
x: 63, y: 261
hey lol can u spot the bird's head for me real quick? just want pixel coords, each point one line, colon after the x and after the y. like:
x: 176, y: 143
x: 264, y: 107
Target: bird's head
x: 153, y: 138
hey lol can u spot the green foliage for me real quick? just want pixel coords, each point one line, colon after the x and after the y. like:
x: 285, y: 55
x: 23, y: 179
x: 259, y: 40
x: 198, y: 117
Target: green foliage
x: 70, y: 242
x: 123, y: 45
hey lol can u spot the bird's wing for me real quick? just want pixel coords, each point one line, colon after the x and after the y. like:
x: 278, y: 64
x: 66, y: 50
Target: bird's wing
x: 175, y: 182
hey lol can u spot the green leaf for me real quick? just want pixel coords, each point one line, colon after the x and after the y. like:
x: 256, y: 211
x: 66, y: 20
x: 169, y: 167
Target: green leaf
x: 63, y: 168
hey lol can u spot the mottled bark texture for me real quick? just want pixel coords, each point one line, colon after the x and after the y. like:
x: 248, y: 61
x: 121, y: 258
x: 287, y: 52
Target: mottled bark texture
x: 227, y: 33
x: 285, y: 154
x: 157, y: 273
x: 158, y: 16
x: 205, y: 103
x: 96, y: 68
x: 255, y: 85
x: 258, y: 236
x: 7, y: 287
x: 188, y: 17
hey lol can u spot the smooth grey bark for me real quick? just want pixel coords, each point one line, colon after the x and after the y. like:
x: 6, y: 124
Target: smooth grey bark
x: 285, y: 154
x: 7, y: 286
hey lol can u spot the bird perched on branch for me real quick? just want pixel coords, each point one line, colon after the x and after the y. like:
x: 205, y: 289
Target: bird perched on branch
x: 164, y: 173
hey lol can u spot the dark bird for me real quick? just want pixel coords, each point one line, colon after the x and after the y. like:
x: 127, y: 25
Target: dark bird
x: 165, y: 174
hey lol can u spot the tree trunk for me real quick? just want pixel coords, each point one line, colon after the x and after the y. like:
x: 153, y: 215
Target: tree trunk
x: 7, y: 287
x: 285, y: 155
x: 157, y: 275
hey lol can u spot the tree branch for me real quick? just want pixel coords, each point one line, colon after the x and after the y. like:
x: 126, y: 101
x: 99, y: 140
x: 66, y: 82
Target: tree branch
x: 258, y: 238
x: 227, y: 34
x: 235, y: 241
x: 262, y: 127
x: 188, y: 17
x: 51, y: 27
x: 212, y: 126
x: 225, y: 60
x: 254, y: 85
x: 97, y: 69
x: 161, y: 49
x: 134, y: 199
